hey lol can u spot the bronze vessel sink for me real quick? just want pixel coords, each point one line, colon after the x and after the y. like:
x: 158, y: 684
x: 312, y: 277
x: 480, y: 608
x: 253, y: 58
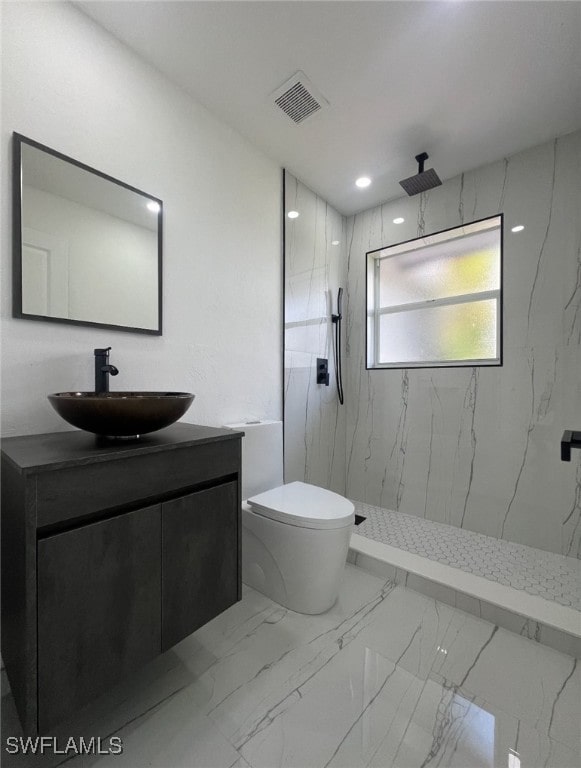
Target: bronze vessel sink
x: 121, y: 414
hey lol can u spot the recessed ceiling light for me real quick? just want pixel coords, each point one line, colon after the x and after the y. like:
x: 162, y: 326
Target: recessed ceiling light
x: 399, y: 220
x: 334, y: 242
x: 363, y: 181
x: 293, y: 214
x: 153, y: 206
x: 519, y: 228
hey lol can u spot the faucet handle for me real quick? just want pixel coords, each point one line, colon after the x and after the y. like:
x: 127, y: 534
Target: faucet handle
x: 104, y: 351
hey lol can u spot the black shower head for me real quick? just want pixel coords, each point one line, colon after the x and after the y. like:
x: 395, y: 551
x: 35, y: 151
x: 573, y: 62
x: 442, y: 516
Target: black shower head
x: 423, y: 180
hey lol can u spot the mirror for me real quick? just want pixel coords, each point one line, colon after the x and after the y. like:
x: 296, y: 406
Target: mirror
x: 87, y: 247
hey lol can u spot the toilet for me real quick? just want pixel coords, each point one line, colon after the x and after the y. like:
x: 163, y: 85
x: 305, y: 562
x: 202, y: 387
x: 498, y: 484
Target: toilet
x: 295, y: 537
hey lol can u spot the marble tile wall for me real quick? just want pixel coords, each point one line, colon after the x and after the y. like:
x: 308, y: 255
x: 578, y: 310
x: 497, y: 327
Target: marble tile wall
x: 479, y: 447
x: 314, y: 422
x: 476, y: 448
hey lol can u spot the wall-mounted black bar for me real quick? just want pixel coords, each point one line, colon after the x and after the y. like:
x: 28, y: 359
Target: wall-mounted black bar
x: 570, y: 439
x: 336, y: 340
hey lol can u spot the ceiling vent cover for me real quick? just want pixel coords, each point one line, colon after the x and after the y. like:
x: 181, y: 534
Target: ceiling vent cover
x: 298, y: 98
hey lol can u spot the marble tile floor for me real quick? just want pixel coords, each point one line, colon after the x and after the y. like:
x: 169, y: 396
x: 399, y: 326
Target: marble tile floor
x: 388, y: 678
x: 548, y: 575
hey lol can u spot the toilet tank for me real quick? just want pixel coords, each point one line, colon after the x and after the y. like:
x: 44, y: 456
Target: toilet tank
x: 262, y: 467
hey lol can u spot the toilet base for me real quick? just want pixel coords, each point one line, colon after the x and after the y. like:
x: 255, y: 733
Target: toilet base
x: 299, y: 568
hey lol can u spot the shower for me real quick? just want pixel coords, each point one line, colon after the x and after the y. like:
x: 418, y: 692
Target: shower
x: 336, y: 319
x: 423, y: 180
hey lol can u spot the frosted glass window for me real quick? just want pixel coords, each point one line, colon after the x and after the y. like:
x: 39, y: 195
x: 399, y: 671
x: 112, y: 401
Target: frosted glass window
x: 436, y: 300
x: 437, y: 334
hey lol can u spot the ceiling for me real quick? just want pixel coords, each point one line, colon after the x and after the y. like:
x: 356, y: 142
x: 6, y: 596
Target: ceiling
x: 468, y: 82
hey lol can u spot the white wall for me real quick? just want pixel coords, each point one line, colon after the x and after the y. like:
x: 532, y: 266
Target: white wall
x: 73, y: 87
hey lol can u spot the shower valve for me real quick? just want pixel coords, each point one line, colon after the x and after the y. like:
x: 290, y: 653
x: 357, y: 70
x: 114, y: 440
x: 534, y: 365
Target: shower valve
x: 323, y: 371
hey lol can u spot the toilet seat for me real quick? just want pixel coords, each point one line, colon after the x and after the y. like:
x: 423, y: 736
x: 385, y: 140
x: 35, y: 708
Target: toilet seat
x: 304, y: 506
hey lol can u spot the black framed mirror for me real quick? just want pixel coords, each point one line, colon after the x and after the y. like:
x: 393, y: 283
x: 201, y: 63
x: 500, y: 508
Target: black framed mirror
x: 87, y: 247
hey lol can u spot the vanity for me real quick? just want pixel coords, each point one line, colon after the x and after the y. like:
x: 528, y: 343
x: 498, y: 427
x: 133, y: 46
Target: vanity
x: 112, y: 552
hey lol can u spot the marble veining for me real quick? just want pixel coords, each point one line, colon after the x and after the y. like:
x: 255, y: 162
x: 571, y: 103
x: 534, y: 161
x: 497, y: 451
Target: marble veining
x: 554, y: 577
x: 386, y: 678
x: 478, y: 448
x: 314, y: 436
x: 475, y: 448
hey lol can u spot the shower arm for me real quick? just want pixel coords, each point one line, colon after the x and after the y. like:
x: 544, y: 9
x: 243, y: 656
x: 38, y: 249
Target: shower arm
x: 421, y: 159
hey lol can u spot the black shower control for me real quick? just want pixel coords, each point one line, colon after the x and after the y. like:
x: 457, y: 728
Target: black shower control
x: 323, y: 371
x: 570, y: 439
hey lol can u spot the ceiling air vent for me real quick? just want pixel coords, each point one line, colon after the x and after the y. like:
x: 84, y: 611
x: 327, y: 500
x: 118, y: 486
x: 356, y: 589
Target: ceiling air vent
x: 298, y: 98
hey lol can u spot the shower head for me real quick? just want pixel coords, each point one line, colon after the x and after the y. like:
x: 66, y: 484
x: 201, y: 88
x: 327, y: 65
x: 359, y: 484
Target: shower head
x: 423, y: 180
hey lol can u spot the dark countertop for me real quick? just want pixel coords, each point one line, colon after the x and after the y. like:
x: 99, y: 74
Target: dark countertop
x: 56, y: 450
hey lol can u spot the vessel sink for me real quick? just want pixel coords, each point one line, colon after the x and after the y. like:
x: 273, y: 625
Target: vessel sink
x: 121, y: 414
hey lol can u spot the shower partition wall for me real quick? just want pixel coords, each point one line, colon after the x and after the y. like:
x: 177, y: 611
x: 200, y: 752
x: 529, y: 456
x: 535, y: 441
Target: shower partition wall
x: 315, y: 268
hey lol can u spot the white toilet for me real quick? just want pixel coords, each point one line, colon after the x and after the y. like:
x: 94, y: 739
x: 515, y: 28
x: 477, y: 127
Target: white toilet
x: 295, y: 537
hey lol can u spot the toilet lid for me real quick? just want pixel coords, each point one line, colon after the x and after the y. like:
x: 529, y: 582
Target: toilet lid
x: 304, y: 505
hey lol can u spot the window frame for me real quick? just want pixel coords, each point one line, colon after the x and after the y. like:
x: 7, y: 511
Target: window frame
x: 374, y: 313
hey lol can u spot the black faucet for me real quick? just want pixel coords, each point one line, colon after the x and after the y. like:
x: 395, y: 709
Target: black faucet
x: 102, y: 370
x: 570, y: 439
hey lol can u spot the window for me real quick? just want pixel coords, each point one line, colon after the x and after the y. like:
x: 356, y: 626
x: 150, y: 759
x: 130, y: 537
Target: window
x: 437, y: 300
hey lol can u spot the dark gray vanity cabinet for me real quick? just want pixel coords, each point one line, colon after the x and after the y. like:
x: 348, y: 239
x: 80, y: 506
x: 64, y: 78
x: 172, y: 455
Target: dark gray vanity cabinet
x: 99, y: 592
x: 111, y: 554
x: 199, y: 556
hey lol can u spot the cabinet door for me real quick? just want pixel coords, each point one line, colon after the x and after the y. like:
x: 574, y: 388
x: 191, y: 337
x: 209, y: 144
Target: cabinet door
x: 200, y: 567
x: 99, y: 592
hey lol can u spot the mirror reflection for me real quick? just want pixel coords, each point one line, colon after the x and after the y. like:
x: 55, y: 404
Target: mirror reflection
x: 87, y: 247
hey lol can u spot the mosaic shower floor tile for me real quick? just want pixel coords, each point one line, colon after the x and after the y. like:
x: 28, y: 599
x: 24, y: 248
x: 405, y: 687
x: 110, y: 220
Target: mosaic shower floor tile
x: 548, y: 575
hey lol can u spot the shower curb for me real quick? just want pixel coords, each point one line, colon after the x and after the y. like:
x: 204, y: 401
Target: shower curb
x: 535, y: 618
